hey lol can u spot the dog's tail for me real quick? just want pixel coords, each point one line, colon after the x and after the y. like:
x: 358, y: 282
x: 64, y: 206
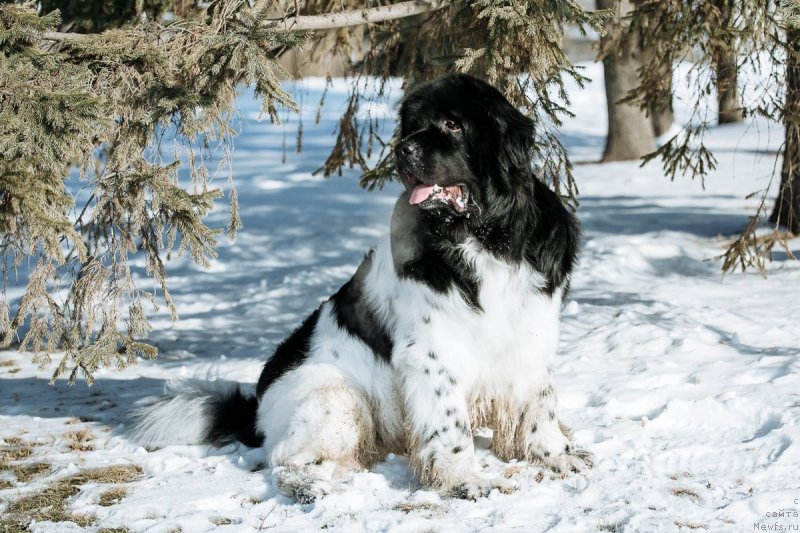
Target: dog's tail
x: 198, y: 412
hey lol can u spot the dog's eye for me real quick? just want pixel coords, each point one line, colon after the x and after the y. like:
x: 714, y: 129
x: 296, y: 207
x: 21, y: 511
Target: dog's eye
x: 452, y: 125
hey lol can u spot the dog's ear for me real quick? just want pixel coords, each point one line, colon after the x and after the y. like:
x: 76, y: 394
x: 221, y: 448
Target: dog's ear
x: 515, y: 142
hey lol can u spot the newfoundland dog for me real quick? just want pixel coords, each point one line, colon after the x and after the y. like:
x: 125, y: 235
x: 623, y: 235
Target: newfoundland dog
x: 447, y: 326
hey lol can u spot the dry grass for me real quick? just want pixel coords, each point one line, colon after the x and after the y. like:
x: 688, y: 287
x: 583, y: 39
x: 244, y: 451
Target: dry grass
x: 19, y: 441
x: 512, y: 471
x: 50, y: 504
x: 6, y: 362
x: 109, y: 474
x: 112, y: 496
x: 80, y: 440
x: 688, y: 493
x: 122, y: 529
x: 8, y: 454
x: 25, y: 473
x: 16, y: 451
x: 221, y: 521
x: 407, y: 507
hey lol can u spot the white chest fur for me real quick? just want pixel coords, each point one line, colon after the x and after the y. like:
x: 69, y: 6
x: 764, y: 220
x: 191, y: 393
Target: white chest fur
x: 505, y: 346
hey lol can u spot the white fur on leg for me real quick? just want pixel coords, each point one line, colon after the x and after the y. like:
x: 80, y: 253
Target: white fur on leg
x: 545, y: 440
x: 436, y: 409
x: 315, y: 424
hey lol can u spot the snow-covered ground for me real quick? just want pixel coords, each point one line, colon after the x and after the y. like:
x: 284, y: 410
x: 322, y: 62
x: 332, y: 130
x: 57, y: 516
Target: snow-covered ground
x: 683, y: 383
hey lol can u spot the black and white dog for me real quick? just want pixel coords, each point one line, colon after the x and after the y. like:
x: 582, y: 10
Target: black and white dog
x: 447, y: 326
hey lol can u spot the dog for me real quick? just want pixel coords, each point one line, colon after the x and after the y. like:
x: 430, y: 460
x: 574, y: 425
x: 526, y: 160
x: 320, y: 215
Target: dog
x: 448, y: 325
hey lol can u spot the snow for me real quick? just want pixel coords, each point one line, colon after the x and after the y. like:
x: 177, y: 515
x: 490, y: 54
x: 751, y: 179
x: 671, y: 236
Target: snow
x: 682, y: 382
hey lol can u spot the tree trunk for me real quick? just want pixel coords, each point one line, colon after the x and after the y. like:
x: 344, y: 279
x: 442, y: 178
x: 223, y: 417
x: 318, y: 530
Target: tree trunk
x: 727, y: 95
x: 663, y: 117
x: 787, y: 206
x: 630, y: 130
x: 726, y: 71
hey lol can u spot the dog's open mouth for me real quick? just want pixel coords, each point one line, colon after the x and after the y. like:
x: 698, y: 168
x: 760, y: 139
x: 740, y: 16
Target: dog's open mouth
x: 427, y: 196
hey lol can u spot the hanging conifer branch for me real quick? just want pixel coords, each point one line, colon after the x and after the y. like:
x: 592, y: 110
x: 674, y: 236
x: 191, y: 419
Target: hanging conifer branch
x: 88, y: 111
x: 763, y: 36
x: 328, y: 21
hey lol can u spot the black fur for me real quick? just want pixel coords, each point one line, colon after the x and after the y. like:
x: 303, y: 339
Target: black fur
x: 233, y: 417
x: 354, y: 314
x: 441, y: 274
x: 512, y: 213
x: 289, y: 354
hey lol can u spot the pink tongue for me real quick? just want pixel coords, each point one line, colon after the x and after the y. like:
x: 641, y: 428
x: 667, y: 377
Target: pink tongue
x: 420, y: 194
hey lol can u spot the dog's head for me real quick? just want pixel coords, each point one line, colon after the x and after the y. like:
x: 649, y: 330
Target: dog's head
x: 462, y: 145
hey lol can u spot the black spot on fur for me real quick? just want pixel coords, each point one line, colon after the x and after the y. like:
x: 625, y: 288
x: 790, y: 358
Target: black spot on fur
x: 233, y: 417
x: 552, y: 415
x: 410, y: 344
x: 354, y: 314
x: 335, y: 354
x: 432, y: 436
x: 457, y: 449
x: 449, y: 412
x: 432, y: 355
x: 426, y: 319
x: 547, y: 454
x: 431, y: 459
x: 547, y: 391
x: 289, y: 354
x: 534, y: 428
x: 438, y: 391
x: 566, y: 448
x: 452, y: 380
x: 427, y: 371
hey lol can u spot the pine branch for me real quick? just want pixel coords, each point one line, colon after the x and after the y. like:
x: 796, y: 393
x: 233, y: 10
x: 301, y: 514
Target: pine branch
x: 328, y: 21
x: 94, y: 106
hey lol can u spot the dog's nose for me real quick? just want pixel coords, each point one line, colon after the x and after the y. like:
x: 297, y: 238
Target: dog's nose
x: 405, y: 148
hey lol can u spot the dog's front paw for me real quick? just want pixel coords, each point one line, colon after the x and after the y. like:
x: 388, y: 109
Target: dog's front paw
x: 479, y: 487
x: 301, y: 484
x: 572, y: 460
